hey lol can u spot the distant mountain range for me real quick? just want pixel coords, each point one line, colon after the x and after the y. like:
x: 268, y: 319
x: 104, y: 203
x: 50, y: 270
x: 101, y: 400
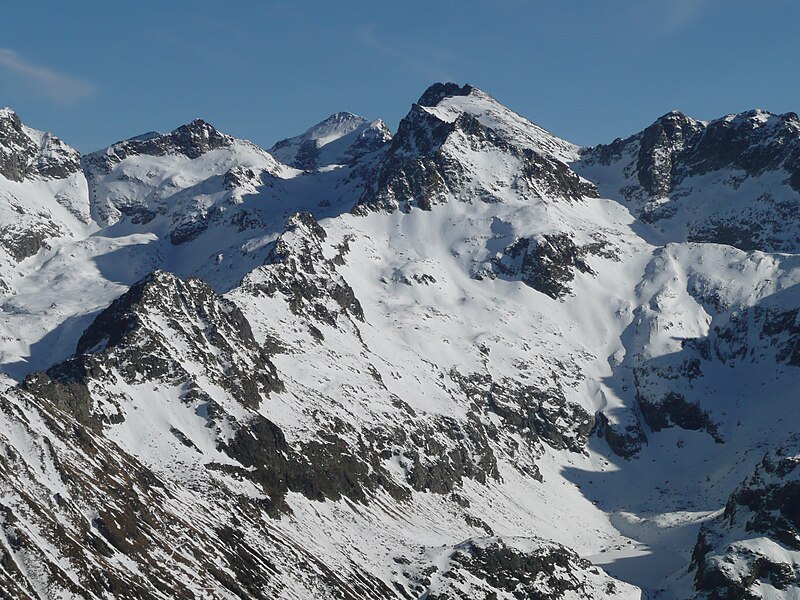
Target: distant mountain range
x: 467, y: 359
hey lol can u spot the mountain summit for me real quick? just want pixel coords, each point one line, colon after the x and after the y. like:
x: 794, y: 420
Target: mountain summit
x: 340, y: 139
x: 465, y: 360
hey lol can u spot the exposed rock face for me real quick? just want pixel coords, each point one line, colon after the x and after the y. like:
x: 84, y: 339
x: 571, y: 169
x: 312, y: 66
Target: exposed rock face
x: 29, y: 154
x: 754, y: 142
x: 148, y: 333
x: 655, y: 151
x: 340, y: 139
x: 24, y: 240
x: 425, y: 165
x: 519, y: 568
x: 746, y: 163
x: 541, y: 413
x: 56, y: 472
x: 774, y: 327
x: 676, y: 148
x: 440, y: 456
x: 191, y: 140
x: 625, y: 439
x: 439, y: 91
x: 296, y: 268
x: 753, y: 549
x: 547, y: 264
x: 673, y: 410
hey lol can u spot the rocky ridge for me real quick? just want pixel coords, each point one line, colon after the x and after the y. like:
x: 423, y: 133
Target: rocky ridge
x: 444, y: 363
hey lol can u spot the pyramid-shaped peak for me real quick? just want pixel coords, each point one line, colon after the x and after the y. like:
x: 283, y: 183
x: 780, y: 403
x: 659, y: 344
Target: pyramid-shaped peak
x: 675, y: 123
x: 27, y: 153
x: 460, y: 104
x: 343, y: 117
x: 334, y: 127
x: 339, y: 139
x: 11, y: 124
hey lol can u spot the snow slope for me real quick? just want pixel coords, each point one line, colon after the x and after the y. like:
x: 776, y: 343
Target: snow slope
x: 340, y: 139
x: 454, y: 362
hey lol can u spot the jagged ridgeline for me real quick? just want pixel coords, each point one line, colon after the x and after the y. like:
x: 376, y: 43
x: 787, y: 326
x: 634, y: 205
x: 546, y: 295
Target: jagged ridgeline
x: 465, y: 360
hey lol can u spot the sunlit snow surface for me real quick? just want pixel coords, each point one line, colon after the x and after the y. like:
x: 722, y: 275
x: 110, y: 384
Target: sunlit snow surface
x: 427, y: 312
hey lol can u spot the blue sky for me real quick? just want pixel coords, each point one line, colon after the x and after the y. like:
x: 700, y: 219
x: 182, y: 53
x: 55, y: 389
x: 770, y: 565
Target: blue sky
x: 588, y: 70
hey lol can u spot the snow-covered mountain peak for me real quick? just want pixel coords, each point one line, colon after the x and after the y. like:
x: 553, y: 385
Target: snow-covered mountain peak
x: 191, y: 140
x: 732, y: 180
x: 181, y: 172
x: 42, y: 194
x: 334, y: 127
x: 28, y: 154
x: 340, y: 139
x: 469, y: 147
x: 441, y: 90
x: 6, y: 112
x: 447, y: 101
x: 676, y: 121
x: 757, y: 118
x: 435, y: 365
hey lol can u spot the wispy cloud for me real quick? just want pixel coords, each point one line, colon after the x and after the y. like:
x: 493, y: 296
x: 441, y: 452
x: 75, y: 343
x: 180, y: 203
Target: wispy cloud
x: 664, y: 17
x: 424, y: 61
x: 52, y: 84
x: 683, y: 13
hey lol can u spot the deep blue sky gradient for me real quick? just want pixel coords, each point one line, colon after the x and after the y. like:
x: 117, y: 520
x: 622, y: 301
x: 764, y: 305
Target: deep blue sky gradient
x: 96, y: 71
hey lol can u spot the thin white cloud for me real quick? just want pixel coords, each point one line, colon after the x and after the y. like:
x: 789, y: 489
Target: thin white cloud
x: 425, y: 61
x: 665, y: 17
x: 56, y: 86
x: 683, y: 13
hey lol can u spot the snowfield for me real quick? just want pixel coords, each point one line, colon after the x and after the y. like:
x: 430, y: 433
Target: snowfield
x: 465, y: 360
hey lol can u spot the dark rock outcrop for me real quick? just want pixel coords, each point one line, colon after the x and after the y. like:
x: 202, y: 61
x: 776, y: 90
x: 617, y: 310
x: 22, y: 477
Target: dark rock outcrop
x: 420, y: 168
x: 297, y: 269
x: 674, y: 410
x: 625, y: 440
x: 664, y: 167
x: 754, y: 545
x: 25, y: 154
x: 148, y: 333
x: 521, y: 568
x: 191, y: 140
x: 547, y: 263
